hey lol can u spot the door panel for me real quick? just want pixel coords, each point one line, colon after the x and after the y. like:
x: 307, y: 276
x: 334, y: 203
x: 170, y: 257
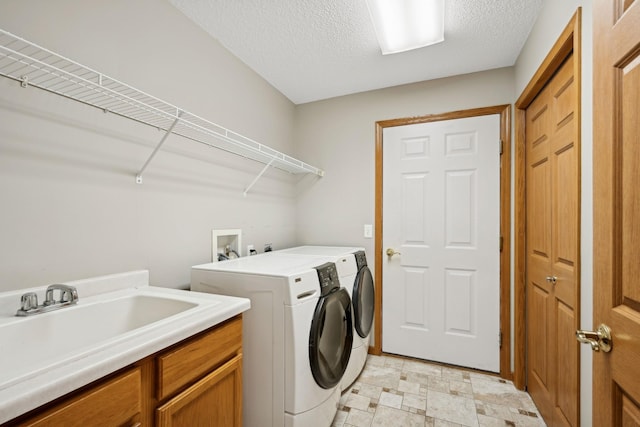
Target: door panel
x: 566, y: 405
x: 441, y: 207
x: 538, y: 310
x: 461, y: 215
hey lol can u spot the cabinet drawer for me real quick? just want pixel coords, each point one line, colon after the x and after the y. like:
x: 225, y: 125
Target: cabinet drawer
x: 190, y: 361
x: 116, y: 402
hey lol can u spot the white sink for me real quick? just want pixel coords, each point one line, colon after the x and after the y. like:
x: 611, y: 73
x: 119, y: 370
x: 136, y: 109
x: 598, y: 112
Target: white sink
x: 118, y: 320
x: 42, y: 340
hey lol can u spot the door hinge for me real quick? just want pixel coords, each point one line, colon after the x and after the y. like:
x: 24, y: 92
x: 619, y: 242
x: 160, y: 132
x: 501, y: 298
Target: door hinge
x: 501, y: 243
x: 501, y: 147
x: 500, y: 339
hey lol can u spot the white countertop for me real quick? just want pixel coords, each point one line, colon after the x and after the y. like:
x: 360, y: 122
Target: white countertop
x: 56, y: 375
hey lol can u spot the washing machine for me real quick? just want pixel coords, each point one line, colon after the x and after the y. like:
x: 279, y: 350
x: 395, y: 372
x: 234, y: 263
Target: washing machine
x: 297, y: 336
x: 354, y: 273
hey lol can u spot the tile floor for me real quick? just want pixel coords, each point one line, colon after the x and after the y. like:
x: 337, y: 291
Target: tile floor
x: 394, y: 391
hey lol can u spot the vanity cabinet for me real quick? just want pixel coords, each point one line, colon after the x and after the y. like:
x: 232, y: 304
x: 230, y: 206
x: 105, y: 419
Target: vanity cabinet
x: 196, y: 382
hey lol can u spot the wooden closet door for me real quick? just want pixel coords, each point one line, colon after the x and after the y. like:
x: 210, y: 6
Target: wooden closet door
x: 553, y: 172
x: 616, y: 236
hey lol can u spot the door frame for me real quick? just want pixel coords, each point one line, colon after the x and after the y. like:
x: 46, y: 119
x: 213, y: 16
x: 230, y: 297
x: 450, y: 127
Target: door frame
x: 505, y: 221
x: 568, y: 42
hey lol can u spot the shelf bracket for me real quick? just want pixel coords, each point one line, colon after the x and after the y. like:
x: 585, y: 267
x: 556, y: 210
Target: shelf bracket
x: 162, y: 141
x: 264, y: 169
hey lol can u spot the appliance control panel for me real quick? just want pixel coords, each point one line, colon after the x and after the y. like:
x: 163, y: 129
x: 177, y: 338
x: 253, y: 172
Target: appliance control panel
x: 328, y: 277
x: 361, y: 259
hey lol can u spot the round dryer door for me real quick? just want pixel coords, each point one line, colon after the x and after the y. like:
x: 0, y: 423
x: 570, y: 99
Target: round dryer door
x: 331, y: 338
x: 363, y: 301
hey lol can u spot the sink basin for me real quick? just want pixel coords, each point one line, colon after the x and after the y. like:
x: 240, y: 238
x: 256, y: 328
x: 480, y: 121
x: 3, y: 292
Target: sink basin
x: 39, y: 342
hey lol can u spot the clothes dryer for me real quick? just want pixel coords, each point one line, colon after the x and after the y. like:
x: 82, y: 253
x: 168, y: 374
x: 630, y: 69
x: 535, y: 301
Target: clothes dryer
x: 354, y: 273
x: 297, y: 336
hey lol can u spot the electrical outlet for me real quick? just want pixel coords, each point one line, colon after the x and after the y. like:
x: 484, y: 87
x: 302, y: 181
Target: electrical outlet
x: 368, y: 231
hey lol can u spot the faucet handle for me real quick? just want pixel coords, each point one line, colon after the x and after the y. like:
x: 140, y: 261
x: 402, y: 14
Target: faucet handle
x: 68, y: 294
x: 29, y: 301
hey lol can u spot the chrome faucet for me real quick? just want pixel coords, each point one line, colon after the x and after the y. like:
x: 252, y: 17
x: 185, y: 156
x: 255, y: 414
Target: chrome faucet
x: 68, y: 294
x: 29, y: 301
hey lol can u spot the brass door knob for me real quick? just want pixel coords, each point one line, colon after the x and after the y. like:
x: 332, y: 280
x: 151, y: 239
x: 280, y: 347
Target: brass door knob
x: 391, y: 252
x: 599, y: 339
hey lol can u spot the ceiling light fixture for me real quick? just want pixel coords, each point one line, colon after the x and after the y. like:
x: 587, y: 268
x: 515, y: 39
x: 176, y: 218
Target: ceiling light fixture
x: 403, y: 25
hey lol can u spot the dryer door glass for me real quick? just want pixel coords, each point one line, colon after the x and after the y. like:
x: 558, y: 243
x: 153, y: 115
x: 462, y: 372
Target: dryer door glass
x: 331, y: 338
x: 363, y: 301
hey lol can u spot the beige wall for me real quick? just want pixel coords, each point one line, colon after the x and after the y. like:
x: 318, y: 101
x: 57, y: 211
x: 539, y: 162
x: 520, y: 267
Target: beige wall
x: 70, y: 205
x: 338, y: 134
x: 552, y: 20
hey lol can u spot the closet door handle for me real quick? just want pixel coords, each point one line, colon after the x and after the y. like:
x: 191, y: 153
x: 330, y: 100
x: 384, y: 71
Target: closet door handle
x: 552, y: 279
x: 599, y: 339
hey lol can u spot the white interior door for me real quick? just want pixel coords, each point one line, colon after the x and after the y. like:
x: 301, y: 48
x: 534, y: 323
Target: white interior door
x: 441, y: 213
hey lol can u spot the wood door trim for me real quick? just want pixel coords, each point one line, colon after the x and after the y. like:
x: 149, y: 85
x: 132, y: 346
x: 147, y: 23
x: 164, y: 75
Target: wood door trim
x: 568, y: 42
x: 505, y: 221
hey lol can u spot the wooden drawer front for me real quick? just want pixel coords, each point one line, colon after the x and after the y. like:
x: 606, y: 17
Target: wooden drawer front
x: 192, y: 360
x: 117, y: 402
x: 214, y: 401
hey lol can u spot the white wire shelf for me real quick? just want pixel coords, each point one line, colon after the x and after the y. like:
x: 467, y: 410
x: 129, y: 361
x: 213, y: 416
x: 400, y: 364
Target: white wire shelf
x: 36, y: 66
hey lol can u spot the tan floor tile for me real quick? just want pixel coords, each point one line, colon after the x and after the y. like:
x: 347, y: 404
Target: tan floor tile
x: 390, y: 399
x: 386, y: 417
x: 339, y: 419
x: 414, y: 401
x: 461, y: 387
x: 422, y: 368
x: 375, y: 360
x: 451, y: 408
x: 502, y: 394
x: 358, y: 402
x: 438, y: 384
x: 380, y: 376
x: 416, y: 377
x: 359, y: 418
x: 445, y: 423
x: 409, y: 387
x: 452, y: 374
x: 368, y: 390
x: 394, y: 362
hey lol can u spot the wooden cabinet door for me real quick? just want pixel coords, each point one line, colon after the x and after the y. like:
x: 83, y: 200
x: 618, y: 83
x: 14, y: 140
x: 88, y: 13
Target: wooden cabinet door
x: 552, y: 135
x: 616, y: 244
x: 215, y: 400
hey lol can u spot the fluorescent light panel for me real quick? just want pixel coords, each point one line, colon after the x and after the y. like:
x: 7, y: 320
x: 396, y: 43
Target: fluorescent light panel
x: 403, y: 25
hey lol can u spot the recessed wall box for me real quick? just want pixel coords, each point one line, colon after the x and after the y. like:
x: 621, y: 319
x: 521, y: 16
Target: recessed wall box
x: 227, y: 242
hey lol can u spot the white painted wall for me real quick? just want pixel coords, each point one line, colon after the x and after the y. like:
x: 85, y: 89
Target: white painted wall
x: 553, y: 18
x: 70, y: 207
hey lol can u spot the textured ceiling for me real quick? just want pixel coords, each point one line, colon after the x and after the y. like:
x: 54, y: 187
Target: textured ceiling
x: 317, y: 49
